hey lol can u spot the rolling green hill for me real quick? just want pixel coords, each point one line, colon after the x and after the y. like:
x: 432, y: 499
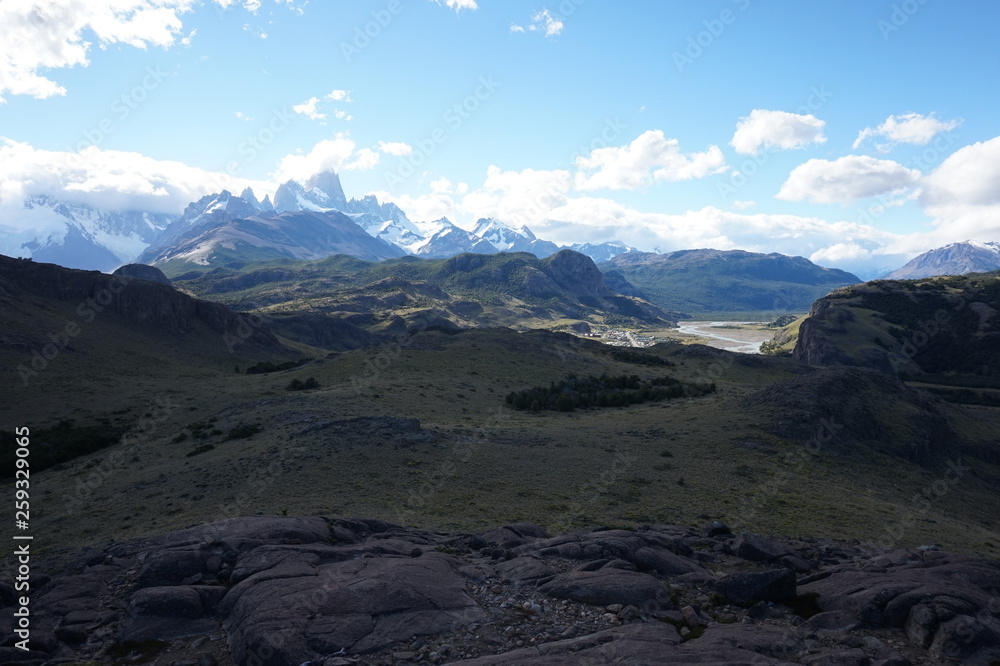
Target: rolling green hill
x: 707, y: 281
x: 466, y: 291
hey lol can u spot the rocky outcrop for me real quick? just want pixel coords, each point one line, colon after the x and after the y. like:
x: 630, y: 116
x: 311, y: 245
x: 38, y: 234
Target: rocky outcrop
x: 942, y: 326
x: 578, y: 274
x: 283, y: 591
x: 814, y: 345
x: 143, y: 272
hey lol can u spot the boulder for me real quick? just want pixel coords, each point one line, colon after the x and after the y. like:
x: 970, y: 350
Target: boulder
x: 610, y: 586
x: 750, y: 587
x: 758, y: 549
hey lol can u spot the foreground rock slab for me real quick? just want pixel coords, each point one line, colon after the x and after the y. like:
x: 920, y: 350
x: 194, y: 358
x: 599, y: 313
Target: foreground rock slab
x: 323, y: 591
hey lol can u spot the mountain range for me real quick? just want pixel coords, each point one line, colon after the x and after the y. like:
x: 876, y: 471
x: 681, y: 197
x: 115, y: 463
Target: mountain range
x: 208, y: 230
x: 314, y: 219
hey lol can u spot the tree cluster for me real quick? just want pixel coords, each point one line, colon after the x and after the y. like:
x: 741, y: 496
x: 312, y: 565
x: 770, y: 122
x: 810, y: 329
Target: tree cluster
x: 604, y: 391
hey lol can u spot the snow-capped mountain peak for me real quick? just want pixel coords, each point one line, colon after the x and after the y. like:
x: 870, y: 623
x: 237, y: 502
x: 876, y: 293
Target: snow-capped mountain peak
x: 989, y: 246
x: 81, y: 236
x: 77, y: 234
x: 970, y: 256
x: 508, y: 239
x: 321, y: 192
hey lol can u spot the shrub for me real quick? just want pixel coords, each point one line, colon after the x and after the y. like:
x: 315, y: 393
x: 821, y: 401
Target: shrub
x: 244, y: 431
x: 270, y: 366
x: 299, y: 385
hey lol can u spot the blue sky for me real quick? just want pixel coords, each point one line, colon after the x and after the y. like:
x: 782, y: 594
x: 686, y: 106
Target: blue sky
x: 725, y: 123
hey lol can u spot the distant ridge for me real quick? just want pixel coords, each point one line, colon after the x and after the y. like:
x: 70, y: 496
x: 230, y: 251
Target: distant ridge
x: 969, y: 256
x: 724, y: 280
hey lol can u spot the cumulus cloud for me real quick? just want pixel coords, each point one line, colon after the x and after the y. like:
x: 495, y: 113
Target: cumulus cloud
x: 846, y: 179
x: 421, y: 208
x: 649, y: 158
x: 395, y: 148
x: 970, y: 175
x: 458, y: 5
x: 339, y: 154
x: 546, y: 202
x: 309, y: 109
x: 962, y: 194
x: 839, y: 253
x: 776, y: 130
x: 912, y: 128
x: 107, y: 179
x: 36, y: 37
x: 544, y: 22
x: 340, y: 96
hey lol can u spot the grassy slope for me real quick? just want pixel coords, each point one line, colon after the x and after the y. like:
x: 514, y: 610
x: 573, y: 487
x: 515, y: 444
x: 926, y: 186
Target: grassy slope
x: 783, y: 341
x: 684, y: 461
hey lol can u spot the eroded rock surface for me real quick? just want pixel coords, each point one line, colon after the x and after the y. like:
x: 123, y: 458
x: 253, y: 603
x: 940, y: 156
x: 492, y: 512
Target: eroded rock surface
x: 281, y: 591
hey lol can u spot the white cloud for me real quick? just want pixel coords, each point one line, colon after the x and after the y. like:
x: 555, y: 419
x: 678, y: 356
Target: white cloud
x: 255, y: 31
x: 365, y: 159
x: 441, y: 186
x: 458, y: 5
x: 340, y: 96
x: 970, y: 175
x: 244, y: 117
x: 544, y: 22
x: 108, y: 179
x: 308, y: 109
x: 840, y: 253
x: 649, y: 158
x: 912, y: 128
x: 311, y: 107
x: 36, y: 37
x: 396, y: 148
x: 339, y: 154
x: 776, y: 130
x: 846, y: 179
x: 423, y: 208
x: 518, y: 196
x: 962, y: 195
x: 543, y: 201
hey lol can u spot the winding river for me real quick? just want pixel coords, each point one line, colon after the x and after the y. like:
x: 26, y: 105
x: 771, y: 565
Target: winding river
x: 746, y: 341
